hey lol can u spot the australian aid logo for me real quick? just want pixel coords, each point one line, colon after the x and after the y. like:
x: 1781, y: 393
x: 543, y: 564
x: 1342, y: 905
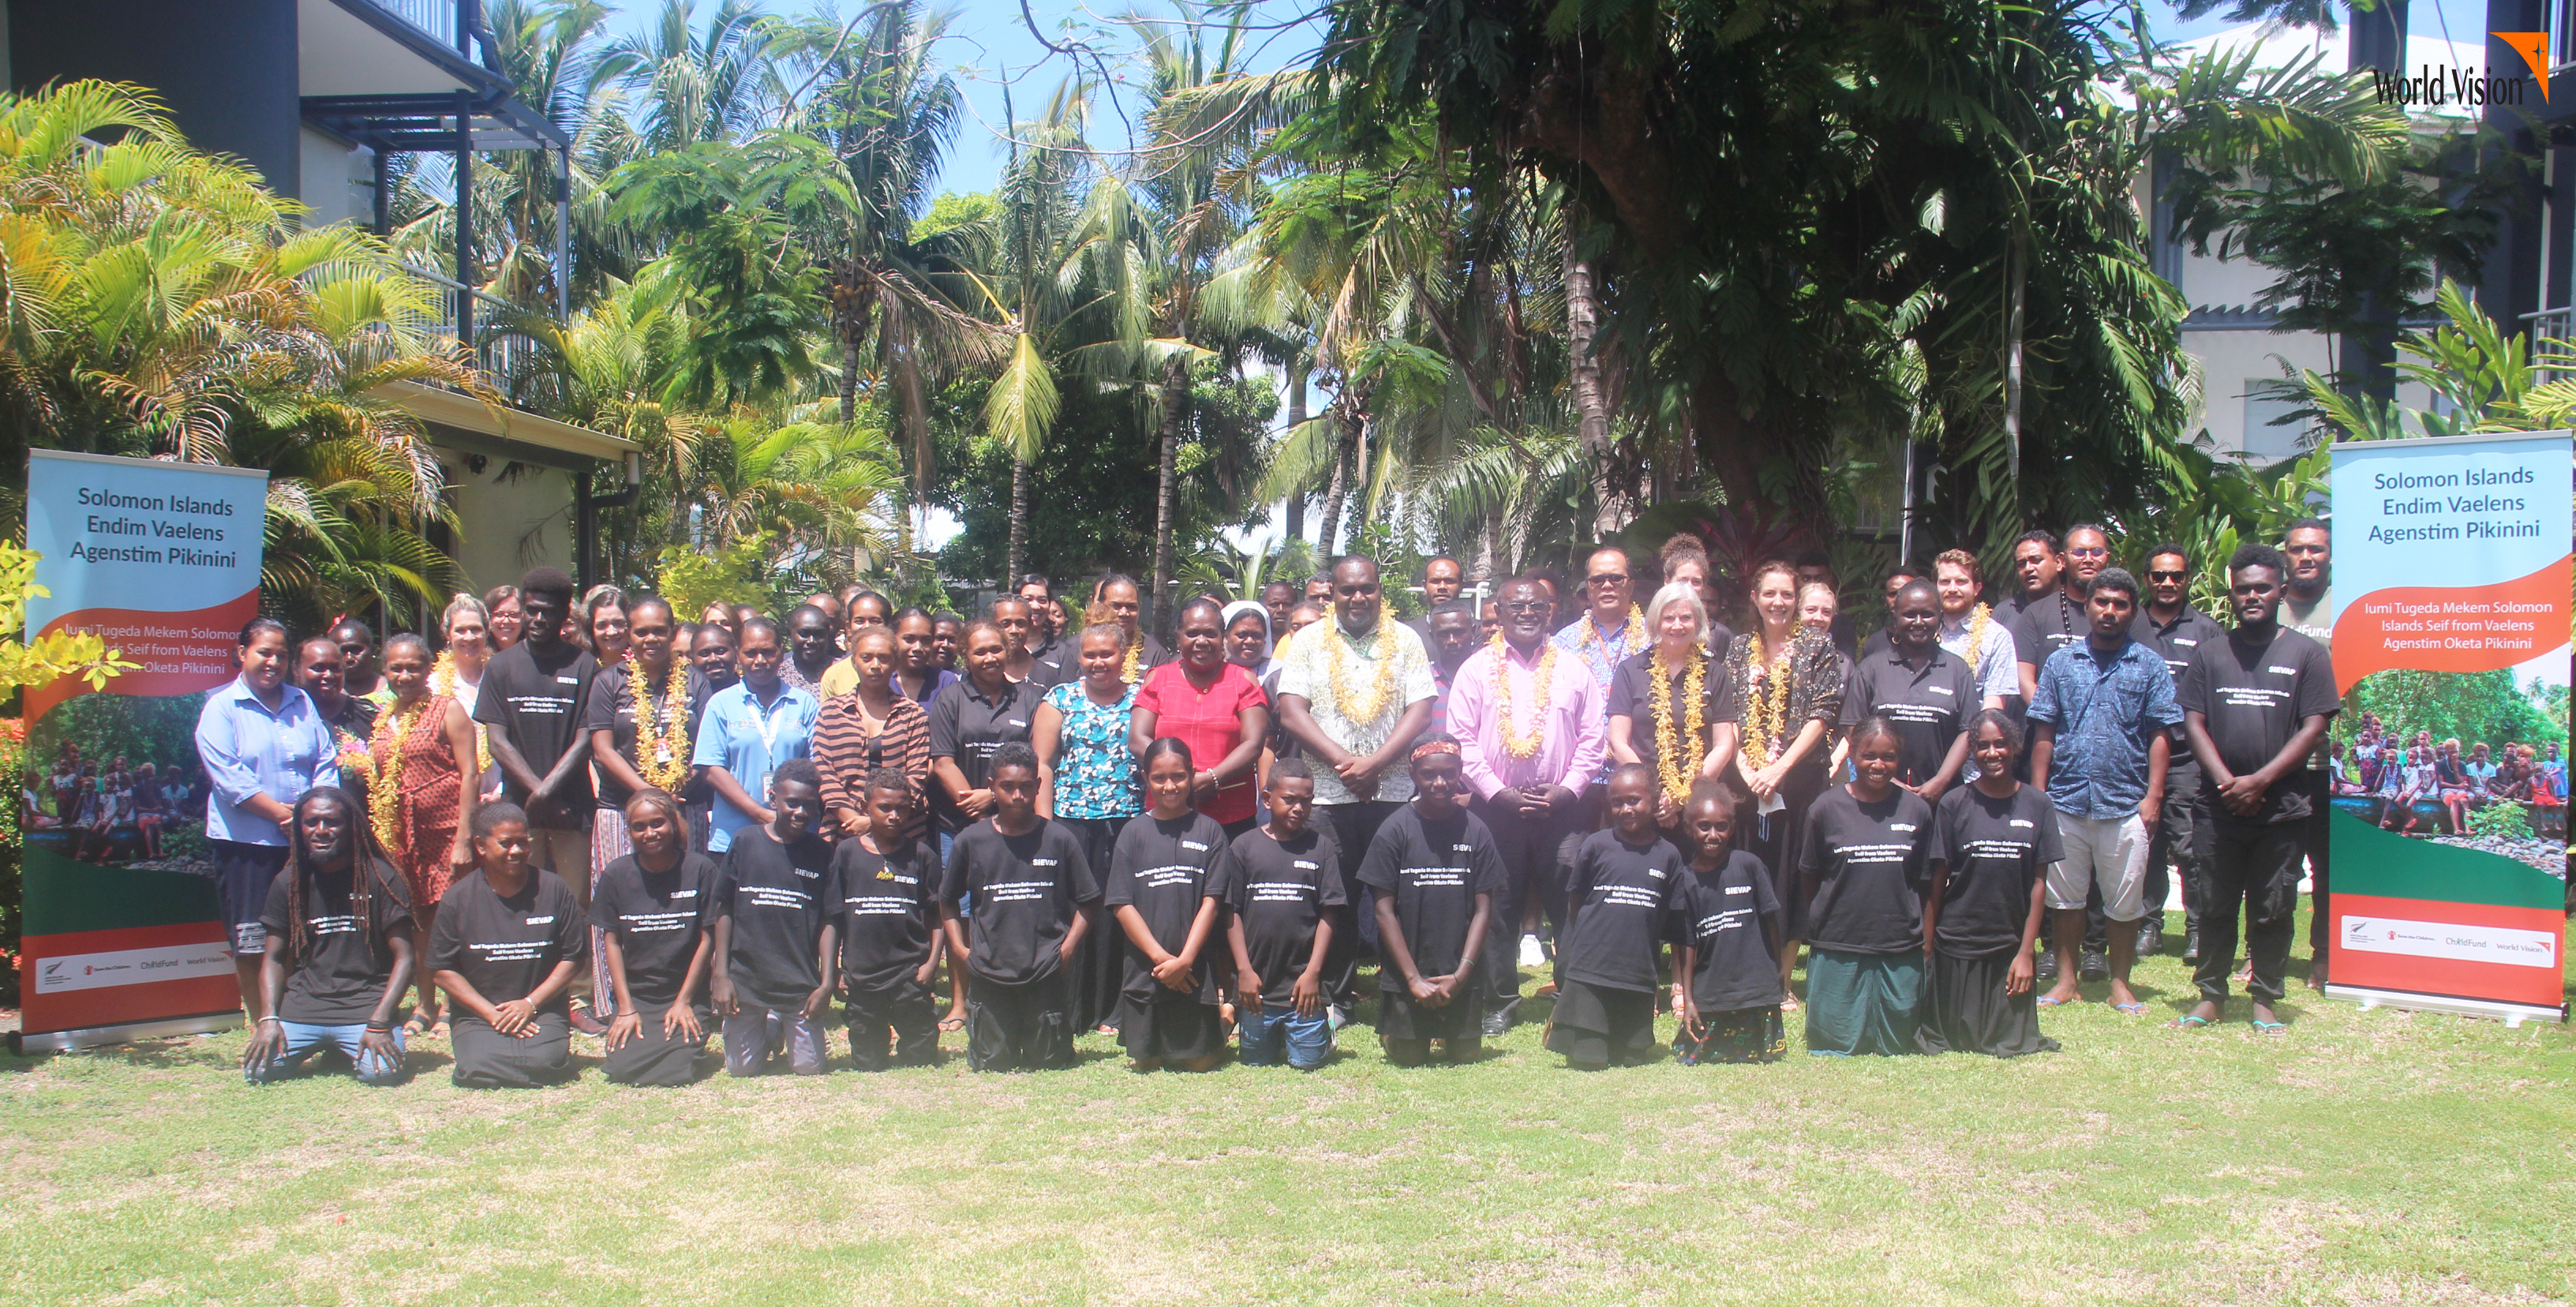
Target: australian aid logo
x: 2439, y: 87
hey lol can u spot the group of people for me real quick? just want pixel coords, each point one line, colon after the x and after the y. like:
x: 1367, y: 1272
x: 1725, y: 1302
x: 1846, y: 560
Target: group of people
x: 2394, y: 774
x: 590, y: 817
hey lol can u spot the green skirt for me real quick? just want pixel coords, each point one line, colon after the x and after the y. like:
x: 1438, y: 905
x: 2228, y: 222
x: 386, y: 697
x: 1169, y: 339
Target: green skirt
x: 1864, y: 1003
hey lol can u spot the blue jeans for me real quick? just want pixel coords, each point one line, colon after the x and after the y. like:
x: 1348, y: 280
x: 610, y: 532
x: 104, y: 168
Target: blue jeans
x: 303, y: 1041
x: 1307, y: 1041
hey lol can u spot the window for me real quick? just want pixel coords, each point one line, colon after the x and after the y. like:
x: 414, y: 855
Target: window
x: 2262, y: 438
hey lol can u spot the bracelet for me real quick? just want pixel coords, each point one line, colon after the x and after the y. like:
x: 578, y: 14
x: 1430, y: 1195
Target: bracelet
x: 374, y: 1029
x: 266, y: 1020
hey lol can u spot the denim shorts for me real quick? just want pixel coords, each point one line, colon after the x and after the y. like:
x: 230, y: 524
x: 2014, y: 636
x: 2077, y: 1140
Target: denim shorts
x: 1276, y: 1028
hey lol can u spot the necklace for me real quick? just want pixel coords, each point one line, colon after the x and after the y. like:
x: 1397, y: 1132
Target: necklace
x: 1514, y: 743
x: 1767, y: 711
x: 662, y: 740
x: 384, y: 793
x: 1668, y: 735
x: 1348, y: 701
x: 1978, y: 621
x: 1590, y: 642
x: 1135, y: 654
x: 442, y: 682
x: 766, y: 722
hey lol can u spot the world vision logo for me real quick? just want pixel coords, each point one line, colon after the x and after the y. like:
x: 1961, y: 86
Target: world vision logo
x: 2437, y: 87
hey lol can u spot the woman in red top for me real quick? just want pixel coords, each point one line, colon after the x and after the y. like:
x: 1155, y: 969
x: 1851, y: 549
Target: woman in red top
x: 1214, y: 707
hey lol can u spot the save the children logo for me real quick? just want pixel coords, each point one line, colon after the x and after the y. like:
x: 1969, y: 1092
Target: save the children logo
x: 2458, y: 84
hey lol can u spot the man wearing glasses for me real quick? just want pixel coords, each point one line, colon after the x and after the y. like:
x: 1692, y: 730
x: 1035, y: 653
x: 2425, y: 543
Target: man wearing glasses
x: 2168, y: 624
x: 2307, y: 607
x: 1610, y: 628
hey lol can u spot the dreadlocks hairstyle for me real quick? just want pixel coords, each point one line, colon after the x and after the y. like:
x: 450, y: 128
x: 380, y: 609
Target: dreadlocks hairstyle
x: 365, y: 869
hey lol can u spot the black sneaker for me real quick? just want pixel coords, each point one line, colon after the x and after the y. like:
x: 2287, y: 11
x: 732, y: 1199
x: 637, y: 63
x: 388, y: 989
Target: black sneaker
x: 2093, y: 966
x: 2191, y: 944
x: 2151, y: 939
x: 1497, y: 1024
x: 2048, y: 964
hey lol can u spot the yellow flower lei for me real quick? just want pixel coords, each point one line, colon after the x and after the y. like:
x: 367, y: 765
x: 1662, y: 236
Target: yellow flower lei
x: 1977, y: 623
x: 442, y: 682
x: 1514, y: 743
x: 1668, y: 739
x: 1591, y: 638
x: 662, y: 746
x: 1767, y: 709
x: 1135, y: 654
x: 384, y: 780
x: 1346, y: 700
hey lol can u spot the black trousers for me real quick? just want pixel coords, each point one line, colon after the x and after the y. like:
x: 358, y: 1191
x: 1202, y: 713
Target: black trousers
x: 654, y: 1058
x: 1534, y: 851
x: 904, y: 1014
x: 2320, y: 788
x: 488, y: 1059
x: 1018, y: 1027
x: 2176, y: 851
x: 2253, y: 866
x: 1093, y: 974
x: 1354, y: 828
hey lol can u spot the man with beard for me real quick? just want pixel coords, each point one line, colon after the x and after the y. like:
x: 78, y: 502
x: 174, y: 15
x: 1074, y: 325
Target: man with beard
x: 1450, y: 631
x: 1442, y: 579
x: 812, y: 649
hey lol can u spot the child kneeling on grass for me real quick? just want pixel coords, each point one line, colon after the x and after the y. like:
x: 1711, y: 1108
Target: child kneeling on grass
x: 1619, y: 890
x: 774, y: 911
x: 1282, y: 887
x: 1726, y: 981
x: 888, y: 897
x: 508, y: 941
x: 1159, y: 893
x: 650, y: 909
x: 1436, y: 872
x: 1030, y: 885
x: 339, y: 927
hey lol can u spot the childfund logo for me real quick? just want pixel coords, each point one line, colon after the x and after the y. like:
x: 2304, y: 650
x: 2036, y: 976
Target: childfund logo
x: 2436, y: 86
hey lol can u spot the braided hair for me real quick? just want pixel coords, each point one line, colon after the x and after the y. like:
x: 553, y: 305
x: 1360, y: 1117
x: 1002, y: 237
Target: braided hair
x: 366, y: 866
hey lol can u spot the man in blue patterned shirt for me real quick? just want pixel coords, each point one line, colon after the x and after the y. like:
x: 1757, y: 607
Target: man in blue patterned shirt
x: 2099, y: 748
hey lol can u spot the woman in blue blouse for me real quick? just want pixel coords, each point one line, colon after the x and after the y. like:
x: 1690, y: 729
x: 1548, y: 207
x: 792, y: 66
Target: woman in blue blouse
x: 1087, y: 780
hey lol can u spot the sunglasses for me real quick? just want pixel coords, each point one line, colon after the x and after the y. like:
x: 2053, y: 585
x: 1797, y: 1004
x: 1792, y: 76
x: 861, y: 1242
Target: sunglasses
x: 2168, y: 576
x: 1608, y: 578
x: 1525, y: 606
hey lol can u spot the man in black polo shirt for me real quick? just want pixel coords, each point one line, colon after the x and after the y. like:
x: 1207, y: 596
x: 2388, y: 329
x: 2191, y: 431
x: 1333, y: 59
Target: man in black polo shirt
x: 2050, y: 622
x: 1053, y: 659
x: 2254, y: 705
x: 1926, y: 691
x: 531, y: 699
x: 2168, y: 624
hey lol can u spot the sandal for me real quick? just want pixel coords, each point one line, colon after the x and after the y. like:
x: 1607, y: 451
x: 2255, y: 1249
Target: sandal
x: 2045, y: 1001
x: 2271, y: 1027
x: 2190, y: 1022
x: 952, y: 1021
x: 2130, y: 1009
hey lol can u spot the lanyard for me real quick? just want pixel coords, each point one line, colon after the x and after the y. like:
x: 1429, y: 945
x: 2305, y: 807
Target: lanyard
x: 767, y: 725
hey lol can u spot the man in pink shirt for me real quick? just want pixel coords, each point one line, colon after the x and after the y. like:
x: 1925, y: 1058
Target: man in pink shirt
x: 1530, y: 723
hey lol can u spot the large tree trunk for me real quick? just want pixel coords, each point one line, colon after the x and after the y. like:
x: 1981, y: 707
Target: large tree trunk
x: 1017, y: 553
x: 1614, y: 500
x: 1297, y: 374
x: 1489, y: 542
x: 1344, y: 446
x: 1176, y: 398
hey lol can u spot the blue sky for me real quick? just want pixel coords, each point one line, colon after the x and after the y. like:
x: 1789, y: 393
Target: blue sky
x: 991, y: 48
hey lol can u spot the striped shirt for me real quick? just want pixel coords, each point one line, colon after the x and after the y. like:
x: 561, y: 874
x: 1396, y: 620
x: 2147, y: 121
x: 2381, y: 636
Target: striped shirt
x: 845, y: 754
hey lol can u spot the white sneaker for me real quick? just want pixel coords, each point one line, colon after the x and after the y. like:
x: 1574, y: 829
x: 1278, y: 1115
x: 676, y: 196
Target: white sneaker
x: 1531, y: 954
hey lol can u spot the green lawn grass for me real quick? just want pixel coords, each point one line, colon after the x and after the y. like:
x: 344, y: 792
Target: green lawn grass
x: 2378, y: 1157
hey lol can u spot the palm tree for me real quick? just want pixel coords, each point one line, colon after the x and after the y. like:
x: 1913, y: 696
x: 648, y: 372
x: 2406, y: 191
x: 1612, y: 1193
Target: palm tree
x: 1041, y: 251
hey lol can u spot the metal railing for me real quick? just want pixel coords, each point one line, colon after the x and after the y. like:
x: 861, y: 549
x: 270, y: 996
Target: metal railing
x: 500, y: 350
x: 439, y: 18
x: 2553, y: 336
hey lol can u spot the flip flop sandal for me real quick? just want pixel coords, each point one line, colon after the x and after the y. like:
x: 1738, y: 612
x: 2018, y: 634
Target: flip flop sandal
x: 2046, y: 1001
x: 2130, y: 1009
x: 2271, y: 1027
x: 2189, y: 1022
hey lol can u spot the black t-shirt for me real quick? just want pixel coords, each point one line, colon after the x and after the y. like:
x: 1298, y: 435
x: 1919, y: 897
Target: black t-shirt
x: 1161, y: 869
x: 540, y: 704
x: 2255, y: 696
x: 968, y: 728
x: 1621, y: 894
x: 657, y: 918
x: 1434, y: 870
x: 504, y: 947
x: 888, y: 911
x: 1052, y: 664
x: 1026, y: 889
x: 1996, y: 849
x: 1279, y: 890
x: 2177, y: 641
x: 779, y: 896
x: 1870, y: 861
x: 1632, y: 695
x: 608, y: 707
x: 1733, y: 922
x: 2046, y: 625
x: 1928, y: 705
x: 342, y: 974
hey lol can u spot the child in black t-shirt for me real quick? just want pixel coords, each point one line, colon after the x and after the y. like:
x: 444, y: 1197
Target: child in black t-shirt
x: 1031, y: 885
x: 774, y: 929
x: 890, y: 941
x: 1436, y: 872
x: 508, y: 941
x: 650, y: 908
x: 1618, y: 889
x: 1992, y: 843
x: 1282, y: 886
x: 340, y: 948
x: 1726, y: 979
x: 1159, y: 891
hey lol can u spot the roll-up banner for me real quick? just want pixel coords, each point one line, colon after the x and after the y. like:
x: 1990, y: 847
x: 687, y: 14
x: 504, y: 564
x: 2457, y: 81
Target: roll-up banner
x: 122, y: 932
x: 2451, y: 576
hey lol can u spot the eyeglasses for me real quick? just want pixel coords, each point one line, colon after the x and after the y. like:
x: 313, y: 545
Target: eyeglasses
x: 1525, y: 606
x: 2168, y: 576
x: 1608, y: 578
x: 2088, y: 553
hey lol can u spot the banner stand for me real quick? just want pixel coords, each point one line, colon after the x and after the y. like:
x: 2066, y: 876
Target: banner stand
x: 2511, y: 1014
x: 65, y: 1041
